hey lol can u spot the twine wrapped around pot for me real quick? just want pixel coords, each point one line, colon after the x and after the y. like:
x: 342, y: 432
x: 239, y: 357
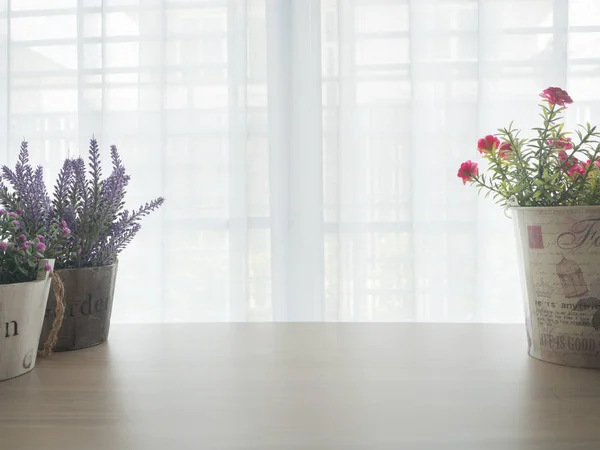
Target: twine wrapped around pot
x: 59, y: 293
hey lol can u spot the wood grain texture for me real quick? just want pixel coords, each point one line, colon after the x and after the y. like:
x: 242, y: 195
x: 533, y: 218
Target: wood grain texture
x: 303, y: 386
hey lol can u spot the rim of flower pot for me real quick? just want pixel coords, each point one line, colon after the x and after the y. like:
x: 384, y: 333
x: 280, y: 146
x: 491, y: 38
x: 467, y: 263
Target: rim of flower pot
x: 523, y: 208
x: 22, y: 282
x: 116, y: 263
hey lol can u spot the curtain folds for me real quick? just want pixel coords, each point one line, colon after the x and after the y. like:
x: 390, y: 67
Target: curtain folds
x: 307, y: 149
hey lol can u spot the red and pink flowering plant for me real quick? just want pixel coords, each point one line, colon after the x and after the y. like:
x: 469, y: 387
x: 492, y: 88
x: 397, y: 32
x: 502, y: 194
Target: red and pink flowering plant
x: 549, y: 169
x: 20, y: 254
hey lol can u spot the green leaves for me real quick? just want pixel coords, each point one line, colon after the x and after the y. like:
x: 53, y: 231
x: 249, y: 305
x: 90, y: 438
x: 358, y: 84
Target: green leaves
x: 547, y: 170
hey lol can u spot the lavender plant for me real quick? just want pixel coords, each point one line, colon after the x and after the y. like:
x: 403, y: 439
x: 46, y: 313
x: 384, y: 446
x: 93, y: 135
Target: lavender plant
x: 87, y: 210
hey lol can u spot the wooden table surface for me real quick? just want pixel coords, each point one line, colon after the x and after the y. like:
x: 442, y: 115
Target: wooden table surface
x: 302, y: 386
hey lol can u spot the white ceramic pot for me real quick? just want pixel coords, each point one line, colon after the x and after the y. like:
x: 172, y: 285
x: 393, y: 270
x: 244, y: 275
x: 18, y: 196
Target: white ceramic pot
x: 560, y: 276
x: 22, y: 308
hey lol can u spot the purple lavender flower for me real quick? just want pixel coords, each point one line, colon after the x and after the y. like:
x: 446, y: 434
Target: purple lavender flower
x: 85, y: 223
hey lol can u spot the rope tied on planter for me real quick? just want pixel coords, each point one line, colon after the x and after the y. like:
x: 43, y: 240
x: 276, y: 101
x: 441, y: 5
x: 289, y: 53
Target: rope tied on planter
x: 58, y: 288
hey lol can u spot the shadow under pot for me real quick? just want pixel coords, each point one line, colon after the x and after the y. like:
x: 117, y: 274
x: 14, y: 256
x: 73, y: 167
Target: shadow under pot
x: 88, y: 300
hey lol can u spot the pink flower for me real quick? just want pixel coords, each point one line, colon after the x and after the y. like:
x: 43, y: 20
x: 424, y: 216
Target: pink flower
x: 576, y: 170
x: 556, y: 96
x: 596, y: 163
x: 571, y: 165
x: 66, y: 231
x: 41, y: 238
x: 504, y: 150
x: 467, y: 171
x: 47, y: 267
x: 488, y: 144
x: 19, y: 212
x: 22, y: 238
x: 13, y: 214
x: 563, y: 156
x: 40, y: 246
x: 15, y: 223
x: 2, y: 212
x: 3, y: 246
x: 562, y: 143
x: 27, y: 244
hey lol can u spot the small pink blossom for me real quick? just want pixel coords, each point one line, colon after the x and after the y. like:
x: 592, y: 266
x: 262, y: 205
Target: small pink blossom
x: 504, y: 150
x: 22, y: 238
x: 563, y: 143
x: 571, y: 164
x: 556, y: 96
x: 41, y: 238
x: 40, y: 246
x: 589, y: 163
x: 467, y: 171
x: 576, y: 170
x: 488, y: 144
x: 13, y: 214
x: 47, y: 267
x: 3, y: 246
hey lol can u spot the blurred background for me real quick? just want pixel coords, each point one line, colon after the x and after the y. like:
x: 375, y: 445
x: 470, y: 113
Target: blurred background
x: 307, y: 149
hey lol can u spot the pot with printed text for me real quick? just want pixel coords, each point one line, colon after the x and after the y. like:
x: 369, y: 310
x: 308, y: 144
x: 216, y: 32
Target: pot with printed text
x: 88, y: 226
x: 22, y: 307
x: 549, y: 183
x: 88, y: 302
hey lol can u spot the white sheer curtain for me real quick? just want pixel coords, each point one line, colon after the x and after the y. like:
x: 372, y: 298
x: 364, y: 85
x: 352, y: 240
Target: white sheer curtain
x: 307, y: 149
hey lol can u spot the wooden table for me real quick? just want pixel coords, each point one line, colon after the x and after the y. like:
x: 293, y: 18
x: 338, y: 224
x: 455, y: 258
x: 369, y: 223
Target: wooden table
x: 302, y: 386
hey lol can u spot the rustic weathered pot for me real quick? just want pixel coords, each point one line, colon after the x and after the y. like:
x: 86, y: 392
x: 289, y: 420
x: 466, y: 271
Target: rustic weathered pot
x: 88, y: 307
x: 560, y: 275
x: 22, y: 308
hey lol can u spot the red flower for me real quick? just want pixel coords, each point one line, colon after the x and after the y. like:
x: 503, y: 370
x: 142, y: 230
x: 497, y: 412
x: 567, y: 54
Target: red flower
x: 556, y: 96
x: 577, y: 169
x: 488, y: 144
x: 504, y: 150
x: 571, y: 165
x: 467, y: 171
x: 597, y: 162
x: 562, y: 143
x: 567, y: 162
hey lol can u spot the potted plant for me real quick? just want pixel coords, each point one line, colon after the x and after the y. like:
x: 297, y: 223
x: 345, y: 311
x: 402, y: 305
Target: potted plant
x: 24, y: 285
x: 550, y: 183
x: 96, y: 228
